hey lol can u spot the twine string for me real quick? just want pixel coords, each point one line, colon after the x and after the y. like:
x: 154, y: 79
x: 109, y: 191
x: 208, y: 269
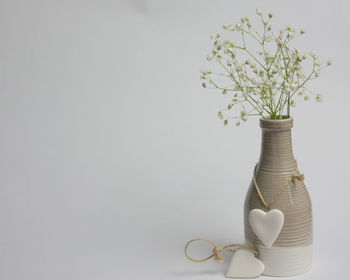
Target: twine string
x: 217, y: 250
x: 296, y: 176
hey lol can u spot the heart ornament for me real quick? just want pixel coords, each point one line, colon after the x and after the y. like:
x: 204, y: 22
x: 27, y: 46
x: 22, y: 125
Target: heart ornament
x: 245, y: 265
x: 266, y: 225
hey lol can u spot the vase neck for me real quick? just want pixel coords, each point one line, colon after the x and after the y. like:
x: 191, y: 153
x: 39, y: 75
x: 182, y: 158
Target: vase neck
x: 276, y: 147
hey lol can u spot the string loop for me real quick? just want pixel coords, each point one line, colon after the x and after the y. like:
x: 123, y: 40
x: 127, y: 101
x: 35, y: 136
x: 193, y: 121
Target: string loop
x: 217, y: 250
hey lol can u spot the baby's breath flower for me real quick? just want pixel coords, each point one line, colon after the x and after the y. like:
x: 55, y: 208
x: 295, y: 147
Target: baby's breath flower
x: 279, y: 42
x: 318, y: 63
x: 290, y: 35
x: 296, y: 67
x: 301, y: 92
x: 206, y: 72
x: 268, y: 38
x: 228, y: 27
x: 313, y: 55
x: 261, y: 82
x: 301, y: 75
x: 318, y: 98
x: 210, y: 57
x: 221, y: 115
x: 238, y: 26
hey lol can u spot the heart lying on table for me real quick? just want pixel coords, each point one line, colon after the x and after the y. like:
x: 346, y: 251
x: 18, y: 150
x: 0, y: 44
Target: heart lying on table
x: 245, y: 265
x: 266, y: 225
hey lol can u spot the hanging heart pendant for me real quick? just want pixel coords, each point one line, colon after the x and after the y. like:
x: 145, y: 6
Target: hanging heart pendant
x: 266, y: 225
x: 245, y: 265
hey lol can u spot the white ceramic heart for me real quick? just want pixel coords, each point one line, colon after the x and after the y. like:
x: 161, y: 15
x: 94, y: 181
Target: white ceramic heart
x: 266, y: 225
x: 245, y: 265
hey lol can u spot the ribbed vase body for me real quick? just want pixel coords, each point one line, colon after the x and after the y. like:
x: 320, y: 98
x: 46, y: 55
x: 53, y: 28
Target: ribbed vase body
x: 291, y: 253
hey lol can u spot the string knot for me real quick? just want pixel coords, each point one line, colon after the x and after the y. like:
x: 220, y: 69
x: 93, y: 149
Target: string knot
x: 299, y: 177
x: 216, y: 252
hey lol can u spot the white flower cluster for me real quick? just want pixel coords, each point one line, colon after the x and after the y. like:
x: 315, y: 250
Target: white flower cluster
x: 261, y: 82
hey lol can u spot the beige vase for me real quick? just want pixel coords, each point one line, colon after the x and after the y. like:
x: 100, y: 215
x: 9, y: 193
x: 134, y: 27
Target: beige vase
x: 291, y: 253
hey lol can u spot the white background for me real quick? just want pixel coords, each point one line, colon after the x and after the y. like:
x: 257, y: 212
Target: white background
x: 112, y: 155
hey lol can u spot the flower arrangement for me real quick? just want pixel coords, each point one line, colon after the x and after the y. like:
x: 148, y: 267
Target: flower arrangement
x: 262, y: 81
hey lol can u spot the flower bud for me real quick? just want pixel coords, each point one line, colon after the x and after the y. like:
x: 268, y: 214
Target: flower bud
x: 220, y: 115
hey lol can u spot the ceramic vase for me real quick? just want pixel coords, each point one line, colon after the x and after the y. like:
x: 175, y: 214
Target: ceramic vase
x: 291, y: 253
